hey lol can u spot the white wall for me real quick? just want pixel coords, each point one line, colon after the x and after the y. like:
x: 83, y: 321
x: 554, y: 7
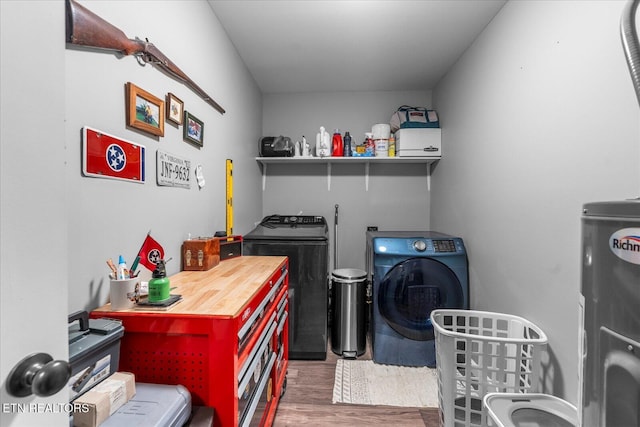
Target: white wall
x: 33, y: 227
x: 397, y: 198
x: 539, y: 116
x: 108, y: 218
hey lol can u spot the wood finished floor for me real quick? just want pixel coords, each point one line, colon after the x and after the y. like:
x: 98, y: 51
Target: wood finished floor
x: 307, y: 401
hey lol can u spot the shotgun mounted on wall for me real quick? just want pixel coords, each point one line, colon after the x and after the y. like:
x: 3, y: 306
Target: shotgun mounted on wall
x: 85, y: 28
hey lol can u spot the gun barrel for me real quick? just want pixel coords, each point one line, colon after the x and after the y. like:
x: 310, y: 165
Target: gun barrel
x: 159, y: 59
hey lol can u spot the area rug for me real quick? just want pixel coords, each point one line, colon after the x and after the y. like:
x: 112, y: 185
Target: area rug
x: 366, y: 383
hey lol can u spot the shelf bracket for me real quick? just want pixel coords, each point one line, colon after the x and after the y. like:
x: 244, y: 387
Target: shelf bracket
x: 366, y: 176
x: 328, y: 176
x: 264, y: 176
x: 428, y: 176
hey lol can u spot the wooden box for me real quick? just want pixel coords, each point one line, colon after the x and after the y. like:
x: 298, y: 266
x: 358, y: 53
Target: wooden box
x: 230, y: 247
x: 200, y: 254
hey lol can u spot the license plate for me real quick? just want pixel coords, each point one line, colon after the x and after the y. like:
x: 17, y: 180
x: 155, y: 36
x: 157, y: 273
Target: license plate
x: 108, y: 156
x: 173, y: 171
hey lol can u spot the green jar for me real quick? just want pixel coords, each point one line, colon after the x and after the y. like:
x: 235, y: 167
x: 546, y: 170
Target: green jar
x: 159, y: 284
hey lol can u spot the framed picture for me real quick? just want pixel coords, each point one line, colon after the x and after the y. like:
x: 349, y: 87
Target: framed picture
x: 144, y: 111
x: 175, y: 109
x: 193, y: 129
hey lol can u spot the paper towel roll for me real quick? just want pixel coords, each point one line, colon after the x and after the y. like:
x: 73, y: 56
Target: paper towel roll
x: 381, y: 131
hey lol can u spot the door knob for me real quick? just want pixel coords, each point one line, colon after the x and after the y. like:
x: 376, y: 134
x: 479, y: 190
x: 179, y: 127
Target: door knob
x: 38, y: 374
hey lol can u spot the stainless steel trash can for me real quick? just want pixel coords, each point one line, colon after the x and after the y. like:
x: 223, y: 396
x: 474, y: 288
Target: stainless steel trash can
x: 348, y: 296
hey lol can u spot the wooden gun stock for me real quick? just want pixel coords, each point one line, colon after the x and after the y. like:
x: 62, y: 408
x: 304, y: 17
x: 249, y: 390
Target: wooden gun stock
x: 85, y: 28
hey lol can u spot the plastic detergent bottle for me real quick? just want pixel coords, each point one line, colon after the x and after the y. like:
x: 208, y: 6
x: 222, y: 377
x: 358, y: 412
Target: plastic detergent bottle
x: 322, y: 143
x: 159, y: 283
x: 369, y: 145
x: 337, y: 147
x: 347, y: 144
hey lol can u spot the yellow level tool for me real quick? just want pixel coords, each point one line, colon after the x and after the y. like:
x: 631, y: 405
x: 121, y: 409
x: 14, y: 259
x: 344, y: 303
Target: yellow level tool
x: 229, y: 197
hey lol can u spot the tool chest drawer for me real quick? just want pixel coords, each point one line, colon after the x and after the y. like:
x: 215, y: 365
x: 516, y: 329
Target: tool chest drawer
x: 225, y: 341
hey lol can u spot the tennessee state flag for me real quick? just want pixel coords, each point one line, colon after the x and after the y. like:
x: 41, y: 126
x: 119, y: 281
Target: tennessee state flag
x: 106, y: 156
x: 150, y: 253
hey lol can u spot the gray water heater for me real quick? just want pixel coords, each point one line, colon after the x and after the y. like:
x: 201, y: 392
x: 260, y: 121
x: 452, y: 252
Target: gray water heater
x: 610, y: 307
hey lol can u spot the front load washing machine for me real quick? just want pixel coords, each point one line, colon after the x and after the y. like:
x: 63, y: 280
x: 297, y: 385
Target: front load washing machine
x: 413, y: 274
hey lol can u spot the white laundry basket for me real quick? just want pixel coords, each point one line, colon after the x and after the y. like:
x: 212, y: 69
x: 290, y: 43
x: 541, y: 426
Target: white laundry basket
x: 480, y: 352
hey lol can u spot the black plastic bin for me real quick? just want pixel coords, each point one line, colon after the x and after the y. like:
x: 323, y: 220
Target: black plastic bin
x: 348, y: 299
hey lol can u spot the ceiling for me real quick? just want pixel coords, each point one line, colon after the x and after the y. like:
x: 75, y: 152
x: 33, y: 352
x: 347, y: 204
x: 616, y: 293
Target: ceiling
x: 345, y: 45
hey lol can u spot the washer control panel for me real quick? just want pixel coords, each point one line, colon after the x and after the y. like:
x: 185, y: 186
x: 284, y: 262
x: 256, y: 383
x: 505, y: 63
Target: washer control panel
x: 444, y: 245
x: 434, y: 245
x: 417, y: 245
x: 294, y: 220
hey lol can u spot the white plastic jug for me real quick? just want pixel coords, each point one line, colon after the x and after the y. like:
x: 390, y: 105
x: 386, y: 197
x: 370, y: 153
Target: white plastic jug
x: 323, y: 143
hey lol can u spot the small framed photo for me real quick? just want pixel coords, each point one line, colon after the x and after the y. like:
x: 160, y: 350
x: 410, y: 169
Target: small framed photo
x: 175, y: 109
x: 193, y: 129
x: 144, y: 111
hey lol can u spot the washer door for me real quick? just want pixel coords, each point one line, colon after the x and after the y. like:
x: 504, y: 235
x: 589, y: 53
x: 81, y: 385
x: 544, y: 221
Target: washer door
x: 411, y: 290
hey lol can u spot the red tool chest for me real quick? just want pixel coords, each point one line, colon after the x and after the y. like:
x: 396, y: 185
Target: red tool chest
x: 226, y: 341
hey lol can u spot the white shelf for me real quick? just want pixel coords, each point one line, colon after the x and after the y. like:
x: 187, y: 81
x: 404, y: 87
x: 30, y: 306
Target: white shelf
x: 326, y: 160
x: 265, y: 161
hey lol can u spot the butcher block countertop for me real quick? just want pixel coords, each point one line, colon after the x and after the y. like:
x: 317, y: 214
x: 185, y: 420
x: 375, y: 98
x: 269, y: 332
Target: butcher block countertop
x: 221, y: 291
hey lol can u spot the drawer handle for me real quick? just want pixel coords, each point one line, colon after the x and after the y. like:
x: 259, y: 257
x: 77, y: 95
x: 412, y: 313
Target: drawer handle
x: 243, y: 331
x: 256, y: 398
x: 250, y: 365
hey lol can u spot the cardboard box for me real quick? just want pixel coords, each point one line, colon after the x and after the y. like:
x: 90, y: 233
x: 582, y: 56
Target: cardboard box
x: 200, y: 254
x: 96, y: 405
x: 419, y: 142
